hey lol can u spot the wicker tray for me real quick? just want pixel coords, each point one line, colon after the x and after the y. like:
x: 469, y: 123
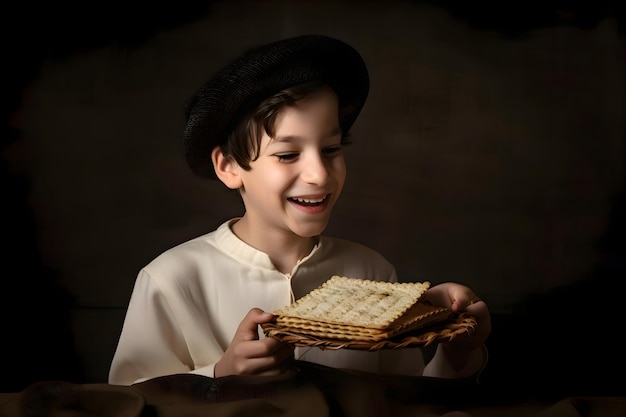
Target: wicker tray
x: 443, y: 331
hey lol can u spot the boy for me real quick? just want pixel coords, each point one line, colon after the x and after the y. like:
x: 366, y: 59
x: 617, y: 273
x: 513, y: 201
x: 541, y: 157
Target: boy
x: 271, y: 125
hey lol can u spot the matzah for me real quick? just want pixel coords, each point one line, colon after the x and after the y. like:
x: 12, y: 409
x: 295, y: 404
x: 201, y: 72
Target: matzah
x: 356, y: 302
x: 358, y: 309
x: 418, y: 316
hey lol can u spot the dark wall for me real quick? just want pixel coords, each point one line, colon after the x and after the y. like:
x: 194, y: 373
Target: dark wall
x: 491, y: 152
x: 37, y: 307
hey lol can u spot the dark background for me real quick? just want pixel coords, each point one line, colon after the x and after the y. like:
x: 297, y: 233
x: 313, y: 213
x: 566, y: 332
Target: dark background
x: 491, y: 152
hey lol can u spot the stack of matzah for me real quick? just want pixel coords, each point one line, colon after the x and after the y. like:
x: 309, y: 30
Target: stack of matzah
x: 362, y: 310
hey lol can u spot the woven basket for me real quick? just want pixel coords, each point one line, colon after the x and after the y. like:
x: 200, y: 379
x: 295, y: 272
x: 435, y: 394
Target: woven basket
x: 444, y: 331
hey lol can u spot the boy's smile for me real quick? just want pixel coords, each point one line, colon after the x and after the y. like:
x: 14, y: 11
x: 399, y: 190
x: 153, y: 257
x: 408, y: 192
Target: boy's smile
x: 311, y: 204
x: 290, y: 190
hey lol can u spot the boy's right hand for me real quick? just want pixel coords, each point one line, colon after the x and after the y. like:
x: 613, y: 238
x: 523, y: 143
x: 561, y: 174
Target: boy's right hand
x: 247, y: 355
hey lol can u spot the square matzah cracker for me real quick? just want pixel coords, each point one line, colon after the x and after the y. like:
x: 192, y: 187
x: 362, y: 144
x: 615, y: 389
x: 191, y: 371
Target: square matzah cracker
x: 356, y: 302
x: 418, y: 316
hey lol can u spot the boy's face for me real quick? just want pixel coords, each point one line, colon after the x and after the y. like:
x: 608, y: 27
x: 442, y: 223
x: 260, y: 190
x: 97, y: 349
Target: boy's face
x: 294, y: 184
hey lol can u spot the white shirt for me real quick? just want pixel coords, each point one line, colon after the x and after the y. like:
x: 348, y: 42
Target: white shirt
x: 188, y: 302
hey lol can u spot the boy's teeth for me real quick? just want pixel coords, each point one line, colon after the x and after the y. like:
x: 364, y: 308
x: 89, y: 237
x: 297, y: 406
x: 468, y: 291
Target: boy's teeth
x: 306, y: 200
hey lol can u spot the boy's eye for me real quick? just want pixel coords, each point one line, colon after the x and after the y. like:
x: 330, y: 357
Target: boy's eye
x: 283, y: 157
x: 333, y: 150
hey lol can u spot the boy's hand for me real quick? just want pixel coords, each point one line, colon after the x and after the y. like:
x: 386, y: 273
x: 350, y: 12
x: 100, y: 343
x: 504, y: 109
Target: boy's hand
x: 459, y: 298
x: 247, y: 355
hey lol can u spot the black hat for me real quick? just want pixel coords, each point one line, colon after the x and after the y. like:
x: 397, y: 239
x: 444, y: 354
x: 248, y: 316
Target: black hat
x: 262, y: 72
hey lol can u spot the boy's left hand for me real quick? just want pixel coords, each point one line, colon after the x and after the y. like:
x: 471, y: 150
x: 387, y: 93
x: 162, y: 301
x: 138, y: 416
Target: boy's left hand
x: 458, y: 298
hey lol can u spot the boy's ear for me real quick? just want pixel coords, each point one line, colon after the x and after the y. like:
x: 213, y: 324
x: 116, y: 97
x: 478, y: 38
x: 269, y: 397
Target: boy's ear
x: 226, y: 169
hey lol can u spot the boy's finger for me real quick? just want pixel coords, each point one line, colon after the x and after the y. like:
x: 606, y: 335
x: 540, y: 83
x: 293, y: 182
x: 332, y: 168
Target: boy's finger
x: 249, y: 327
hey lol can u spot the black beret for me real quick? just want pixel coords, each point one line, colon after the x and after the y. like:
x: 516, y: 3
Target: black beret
x: 214, y: 111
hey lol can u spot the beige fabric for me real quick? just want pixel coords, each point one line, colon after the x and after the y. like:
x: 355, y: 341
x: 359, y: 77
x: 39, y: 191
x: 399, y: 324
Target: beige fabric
x: 183, y: 315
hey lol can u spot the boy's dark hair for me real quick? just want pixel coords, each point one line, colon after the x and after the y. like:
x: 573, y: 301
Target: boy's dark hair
x: 243, y: 143
x: 226, y: 99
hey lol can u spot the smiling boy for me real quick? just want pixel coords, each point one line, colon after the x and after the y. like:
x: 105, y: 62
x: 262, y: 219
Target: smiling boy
x: 290, y: 190
x: 271, y: 125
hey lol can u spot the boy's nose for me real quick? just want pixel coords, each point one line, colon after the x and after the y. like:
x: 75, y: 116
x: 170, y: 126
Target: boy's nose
x: 315, y: 171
